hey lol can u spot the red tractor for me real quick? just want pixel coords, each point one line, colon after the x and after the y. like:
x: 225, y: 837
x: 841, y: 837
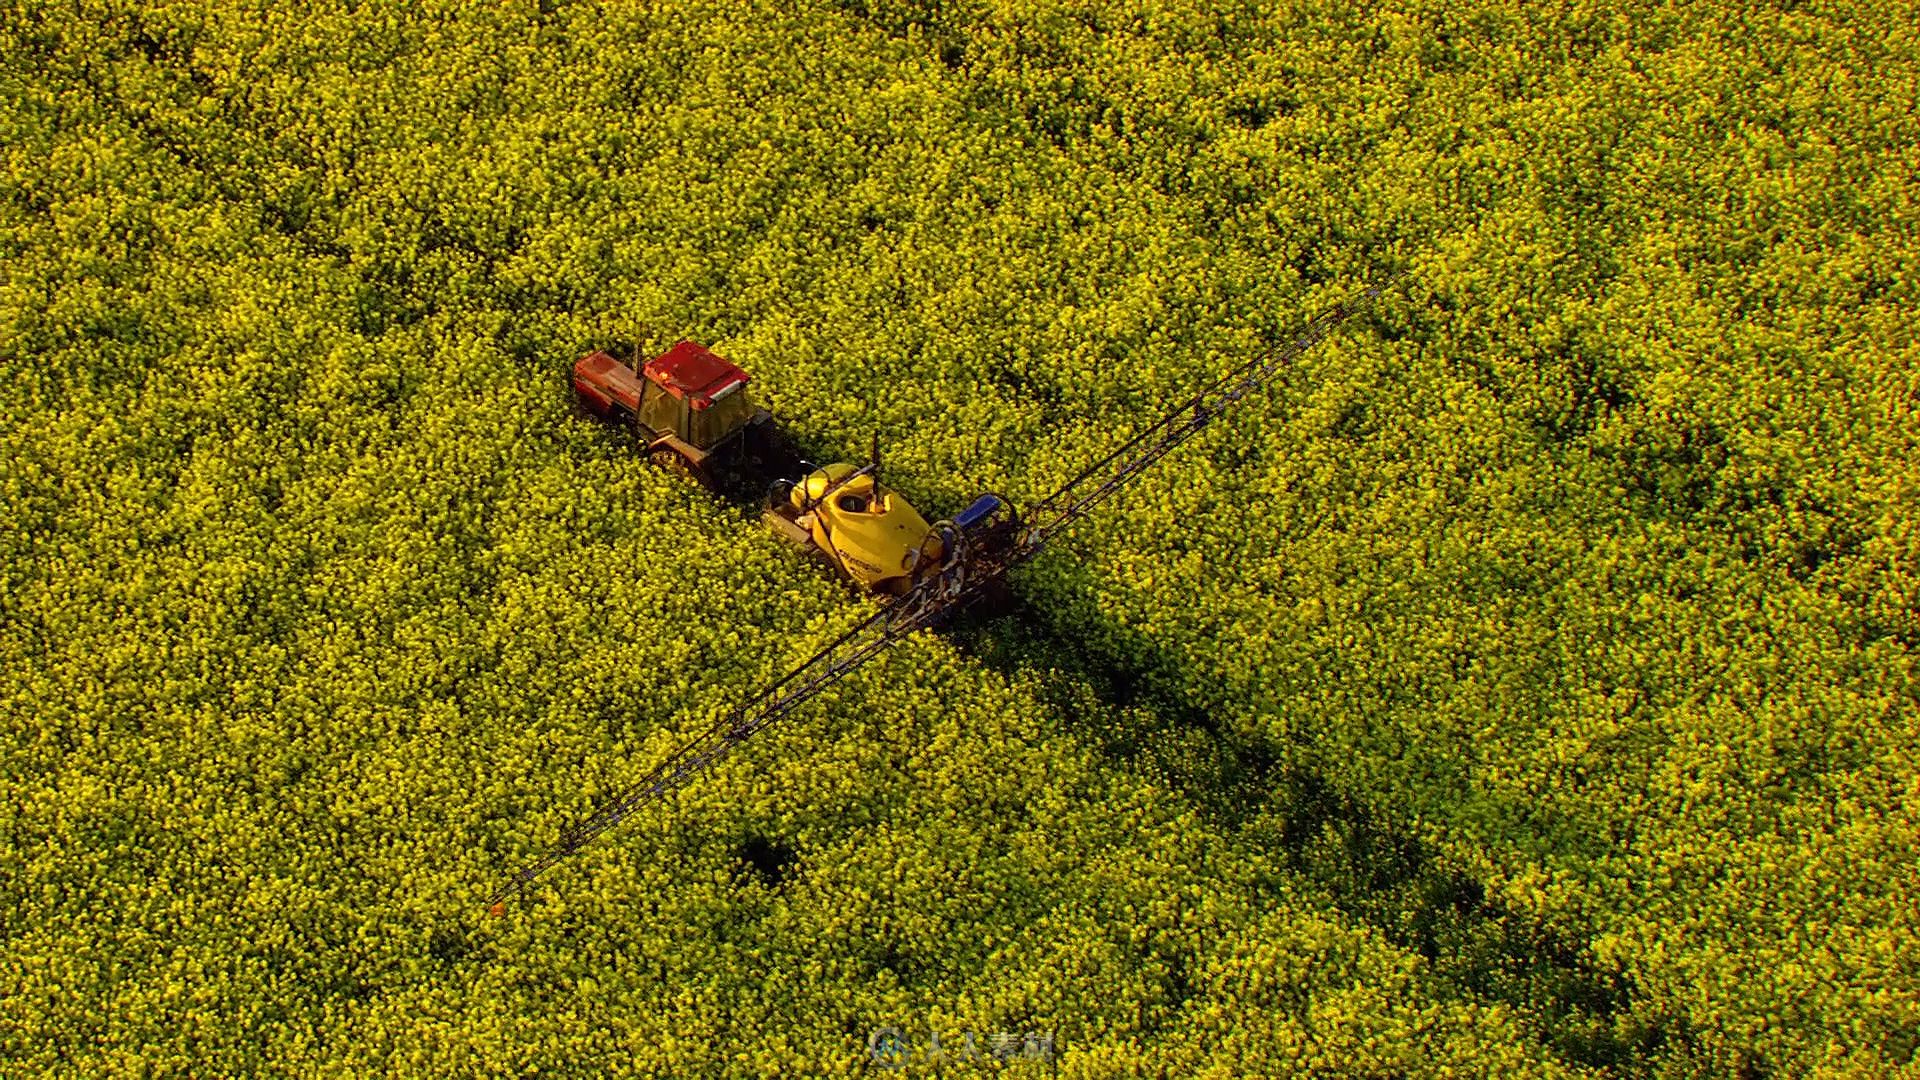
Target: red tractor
x: 690, y: 408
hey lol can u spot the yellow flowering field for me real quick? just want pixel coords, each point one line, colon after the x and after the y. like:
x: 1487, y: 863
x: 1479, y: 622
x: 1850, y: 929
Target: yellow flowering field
x: 1524, y: 684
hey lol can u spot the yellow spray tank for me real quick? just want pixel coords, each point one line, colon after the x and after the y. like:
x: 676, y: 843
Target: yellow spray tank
x: 863, y: 527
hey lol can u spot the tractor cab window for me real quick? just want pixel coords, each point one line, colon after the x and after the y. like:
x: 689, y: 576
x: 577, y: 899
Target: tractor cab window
x: 721, y: 419
x: 661, y: 411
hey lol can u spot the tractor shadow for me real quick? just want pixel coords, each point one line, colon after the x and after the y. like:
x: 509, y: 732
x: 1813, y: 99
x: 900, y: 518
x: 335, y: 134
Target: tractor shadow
x: 1124, y: 700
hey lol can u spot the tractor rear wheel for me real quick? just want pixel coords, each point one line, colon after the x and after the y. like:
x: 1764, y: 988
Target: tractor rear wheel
x: 672, y: 462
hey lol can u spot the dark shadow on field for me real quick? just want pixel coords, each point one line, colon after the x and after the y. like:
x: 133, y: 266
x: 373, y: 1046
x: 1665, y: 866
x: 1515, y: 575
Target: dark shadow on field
x: 1123, y: 700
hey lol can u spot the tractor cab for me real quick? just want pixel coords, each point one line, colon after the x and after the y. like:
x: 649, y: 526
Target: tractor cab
x: 688, y: 402
x: 696, y: 394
